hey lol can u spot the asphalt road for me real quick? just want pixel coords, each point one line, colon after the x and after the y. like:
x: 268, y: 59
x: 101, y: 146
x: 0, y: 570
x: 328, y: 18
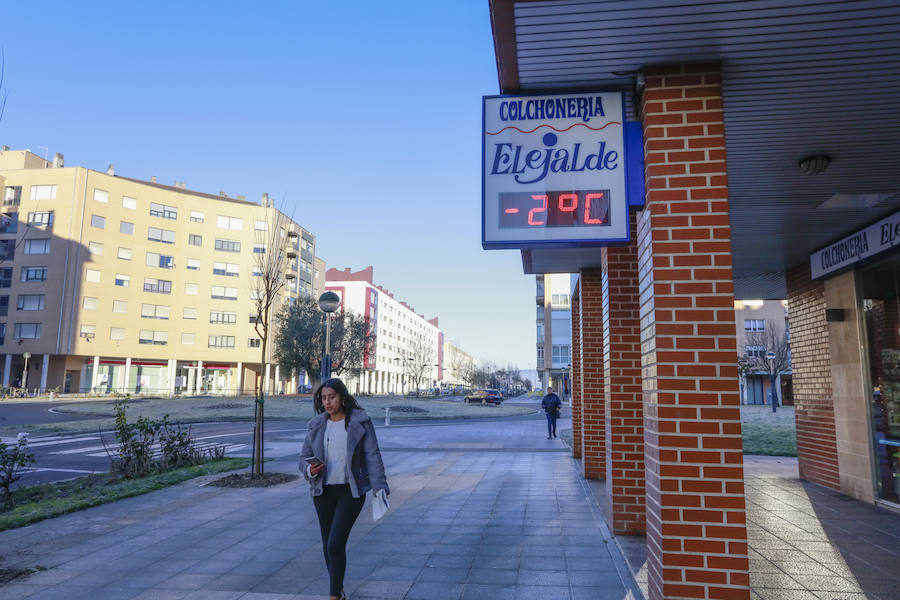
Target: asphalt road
x: 21, y: 413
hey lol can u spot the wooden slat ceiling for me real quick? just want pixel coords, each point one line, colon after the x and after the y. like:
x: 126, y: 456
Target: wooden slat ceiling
x: 799, y: 78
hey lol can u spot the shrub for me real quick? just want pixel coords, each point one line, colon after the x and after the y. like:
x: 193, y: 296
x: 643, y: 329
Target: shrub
x: 12, y: 461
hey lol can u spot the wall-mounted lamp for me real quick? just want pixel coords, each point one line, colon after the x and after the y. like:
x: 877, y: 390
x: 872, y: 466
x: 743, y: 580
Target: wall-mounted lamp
x: 834, y: 315
x: 813, y: 165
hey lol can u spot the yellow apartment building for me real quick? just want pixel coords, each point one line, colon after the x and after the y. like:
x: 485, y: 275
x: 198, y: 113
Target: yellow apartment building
x: 112, y: 284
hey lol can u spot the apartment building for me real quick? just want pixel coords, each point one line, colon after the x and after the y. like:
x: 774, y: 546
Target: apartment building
x: 554, y: 331
x: 405, y: 340
x: 459, y: 364
x: 109, y: 283
x: 758, y: 324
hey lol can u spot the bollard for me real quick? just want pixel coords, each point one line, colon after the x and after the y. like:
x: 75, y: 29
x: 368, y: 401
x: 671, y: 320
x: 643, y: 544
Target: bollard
x: 387, y: 416
x: 51, y: 396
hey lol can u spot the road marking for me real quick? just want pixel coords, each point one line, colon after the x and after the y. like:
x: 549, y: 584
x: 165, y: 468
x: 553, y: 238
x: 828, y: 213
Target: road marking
x: 60, y: 470
x: 56, y: 442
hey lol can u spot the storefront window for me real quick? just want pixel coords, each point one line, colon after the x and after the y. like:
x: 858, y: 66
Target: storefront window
x: 881, y: 309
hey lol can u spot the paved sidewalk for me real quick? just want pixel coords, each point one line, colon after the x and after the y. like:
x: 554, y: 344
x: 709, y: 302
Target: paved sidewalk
x: 479, y: 510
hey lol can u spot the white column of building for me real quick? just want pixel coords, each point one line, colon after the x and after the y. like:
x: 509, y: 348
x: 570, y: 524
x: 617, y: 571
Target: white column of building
x: 276, y: 384
x: 7, y: 367
x: 126, y: 386
x: 240, y: 381
x: 266, y: 379
x: 228, y: 381
x: 198, y: 378
x: 45, y: 366
x: 192, y: 378
x: 170, y: 384
x: 95, y: 376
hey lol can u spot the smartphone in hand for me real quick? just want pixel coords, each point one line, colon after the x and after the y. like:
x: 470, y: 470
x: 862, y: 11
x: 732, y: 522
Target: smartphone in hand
x: 313, y: 461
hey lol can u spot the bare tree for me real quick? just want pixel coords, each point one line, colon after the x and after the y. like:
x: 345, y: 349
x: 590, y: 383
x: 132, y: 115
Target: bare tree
x: 419, y: 360
x: 274, y: 245
x: 775, y: 341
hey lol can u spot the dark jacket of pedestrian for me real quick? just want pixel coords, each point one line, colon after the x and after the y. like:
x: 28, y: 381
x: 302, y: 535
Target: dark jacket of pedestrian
x: 551, y: 404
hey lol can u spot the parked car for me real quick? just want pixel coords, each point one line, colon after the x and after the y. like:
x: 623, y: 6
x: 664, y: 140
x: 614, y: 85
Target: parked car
x: 487, y: 396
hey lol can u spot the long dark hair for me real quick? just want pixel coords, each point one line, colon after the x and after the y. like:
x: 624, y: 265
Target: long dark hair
x: 348, y: 402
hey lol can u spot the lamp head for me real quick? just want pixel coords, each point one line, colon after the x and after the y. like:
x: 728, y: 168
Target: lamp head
x: 329, y: 302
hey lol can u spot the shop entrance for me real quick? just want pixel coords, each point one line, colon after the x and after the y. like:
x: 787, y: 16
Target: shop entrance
x: 881, y: 310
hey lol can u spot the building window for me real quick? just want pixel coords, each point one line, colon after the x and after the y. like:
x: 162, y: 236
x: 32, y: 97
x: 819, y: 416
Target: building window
x: 188, y: 339
x: 754, y: 325
x: 9, y: 222
x: 117, y: 333
x: 154, y: 311
x: 95, y: 248
x: 261, y: 226
x: 224, y: 293
x: 162, y: 261
x: 540, y: 355
x: 101, y: 196
x: 98, y: 221
x: 228, y: 245
x: 195, y: 240
x: 87, y: 331
x: 220, y: 317
x: 123, y: 280
x: 126, y: 227
x: 92, y: 275
x: 41, y: 219
x: 7, y: 249
x: 221, y: 341
x: 4, y: 306
x: 129, y: 202
x: 191, y: 289
x: 27, y: 331
x: 161, y: 210
x: 43, y: 192
x: 37, y: 246
x: 37, y: 274
x: 155, y: 234
x: 89, y: 303
x: 559, y: 300
x: 540, y: 330
x: 2, y: 333
x: 197, y: 216
x: 189, y: 313
x: 254, y: 319
x: 228, y: 269
x: 157, y: 286
x: 755, y: 351
x: 157, y: 338
x: 13, y: 195
x: 193, y: 264
x: 259, y: 248
x: 232, y: 223
x: 31, y: 302
x: 6, y: 277
x: 120, y: 306
x: 561, y: 355
x: 124, y: 253
x: 254, y: 343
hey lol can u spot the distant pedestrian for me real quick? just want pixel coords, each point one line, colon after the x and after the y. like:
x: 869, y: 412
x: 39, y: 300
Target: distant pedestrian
x: 551, y: 406
x: 341, y: 461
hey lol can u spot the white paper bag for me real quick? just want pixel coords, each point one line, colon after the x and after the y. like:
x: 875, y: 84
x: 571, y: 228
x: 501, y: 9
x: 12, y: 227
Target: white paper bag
x: 380, y: 504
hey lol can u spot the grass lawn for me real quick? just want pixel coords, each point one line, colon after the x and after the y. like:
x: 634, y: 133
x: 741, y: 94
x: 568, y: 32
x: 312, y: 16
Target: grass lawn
x: 38, y: 502
x: 296, y: 408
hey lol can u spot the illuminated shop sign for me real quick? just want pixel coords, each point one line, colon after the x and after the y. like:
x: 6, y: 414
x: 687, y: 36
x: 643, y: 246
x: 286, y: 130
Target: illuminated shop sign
x: 554, y: 170
x: 876, y: 238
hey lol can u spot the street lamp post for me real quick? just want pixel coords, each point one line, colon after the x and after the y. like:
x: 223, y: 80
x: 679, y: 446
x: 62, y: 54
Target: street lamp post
x: 773, y: 396
x: 328, y: 302
x: 26, y: 356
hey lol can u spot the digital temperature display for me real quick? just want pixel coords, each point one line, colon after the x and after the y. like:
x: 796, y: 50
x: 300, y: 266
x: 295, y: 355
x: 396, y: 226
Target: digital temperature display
x: 583, y: 208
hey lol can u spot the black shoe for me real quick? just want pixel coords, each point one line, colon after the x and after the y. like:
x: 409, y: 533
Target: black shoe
x: 549, y: 438
x: 343, y: 595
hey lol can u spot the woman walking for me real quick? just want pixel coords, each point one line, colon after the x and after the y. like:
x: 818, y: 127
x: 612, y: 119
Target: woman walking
x: 341, y: 461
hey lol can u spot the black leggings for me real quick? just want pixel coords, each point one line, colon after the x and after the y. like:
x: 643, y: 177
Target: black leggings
x: 337, y: 510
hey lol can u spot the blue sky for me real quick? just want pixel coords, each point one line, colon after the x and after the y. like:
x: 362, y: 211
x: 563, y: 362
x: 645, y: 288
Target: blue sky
x: 365, y: 117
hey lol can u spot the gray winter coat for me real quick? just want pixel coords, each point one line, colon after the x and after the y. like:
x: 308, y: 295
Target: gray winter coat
x: 366, y: 469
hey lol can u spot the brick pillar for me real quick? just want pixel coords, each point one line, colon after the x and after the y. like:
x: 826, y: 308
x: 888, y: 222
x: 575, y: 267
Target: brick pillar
x: 593, y: 414
x: 817, y: 455
x: 696, y: 521
x: 622, y: 382
x: 576, y: 375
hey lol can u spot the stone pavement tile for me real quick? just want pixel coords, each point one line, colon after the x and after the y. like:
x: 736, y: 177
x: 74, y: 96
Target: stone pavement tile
x: 187, y: 581
x: 234, y: 583
x: 280, y: 585
x: 764, y: 565
x: 53, y: 576
x: 595, y: 579
x: 97, y: 579
x: 444, y: 560
x: 158, y: 594
x: 590, y: 564
x: 543, y: 563
x: 602, y: 593
x: 542, y: 593
x: 256, y: 567
x: 430, y: 590
x: 383, y: 590
x: 822, y: 583
x: 443, y: 575
x: 775, y: 581
x: 405, y: 560
x: 173, y: 564
x: 18, y: 591
x: 494, y: 576
x: 807, y: 568
x: 497, y: 562
x: 218, y: 567
x: 543, y: 550
x: 63, y: 592
x: 784, y: 594
x: 394, y: 574
x: 557, y: 578
x: 488, y: 592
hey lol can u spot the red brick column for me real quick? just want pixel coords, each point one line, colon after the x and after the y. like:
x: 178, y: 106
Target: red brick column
x: 593, y: 414
x: 817, y: 456
x: 622, y: 382
x: 576, y: 375
x: 696, y: 522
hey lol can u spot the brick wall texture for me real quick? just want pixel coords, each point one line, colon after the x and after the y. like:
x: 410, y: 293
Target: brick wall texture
x: 576, y: 376
x: 622, y: 383
x: 696, y: 521
x: 593, y: 415
x: 817, y: 456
